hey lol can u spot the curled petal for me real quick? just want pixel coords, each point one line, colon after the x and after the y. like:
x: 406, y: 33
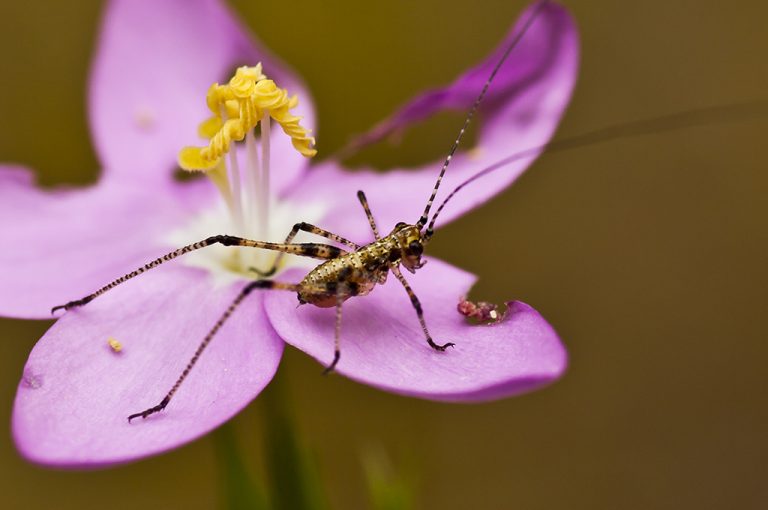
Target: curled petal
x: 154, y: 64
x: 77, y: 389
x: 523, y: 107
x: 382, y: 343
x: 528, y: 60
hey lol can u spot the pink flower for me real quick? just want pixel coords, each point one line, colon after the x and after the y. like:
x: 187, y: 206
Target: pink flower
x: 154, y: 62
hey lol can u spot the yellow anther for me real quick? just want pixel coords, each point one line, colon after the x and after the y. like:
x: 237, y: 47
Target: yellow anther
x: 191, y: 158
x: 300, y: 138
x: 209, y: 127
x: 240, y: 87
x: 237, y: 108
x: 232, y: 108
x: 244, y: 80
x: 267, y: 96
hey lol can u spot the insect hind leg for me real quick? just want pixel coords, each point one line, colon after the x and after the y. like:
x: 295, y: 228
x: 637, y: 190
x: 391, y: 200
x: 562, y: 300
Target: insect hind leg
x: 336, y: 340
x: 259, y: 284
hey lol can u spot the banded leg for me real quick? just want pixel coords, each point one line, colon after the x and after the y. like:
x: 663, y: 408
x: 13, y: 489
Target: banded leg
x: 368, y: 213
x: 314, y: 250
x: 337, y: 338
x: 417, y: 306
x: 259, y: 284
x: 303, y: 227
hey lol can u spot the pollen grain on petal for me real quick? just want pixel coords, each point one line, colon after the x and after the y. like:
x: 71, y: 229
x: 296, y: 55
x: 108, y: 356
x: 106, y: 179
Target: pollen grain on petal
x: 114, y: 344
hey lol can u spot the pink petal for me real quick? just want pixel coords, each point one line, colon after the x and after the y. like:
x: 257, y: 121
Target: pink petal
x: 75, y: 394
x: 62, y: 244
x: 524, y: 106
x: 382, y: 343
x: 154, y: 64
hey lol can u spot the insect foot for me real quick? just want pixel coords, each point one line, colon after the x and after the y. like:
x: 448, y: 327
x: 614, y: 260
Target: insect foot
x: 439, y: 347
x: 330, y: 368
x: 72, y: 304
x: 152, y: 410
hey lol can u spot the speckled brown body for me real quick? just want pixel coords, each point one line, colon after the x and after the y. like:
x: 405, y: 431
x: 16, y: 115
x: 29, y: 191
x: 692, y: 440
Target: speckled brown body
x: 352, y: 274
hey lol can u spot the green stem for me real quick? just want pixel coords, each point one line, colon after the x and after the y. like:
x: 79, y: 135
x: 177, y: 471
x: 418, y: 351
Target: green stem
x: 294, y: 481
x: 240, y: 490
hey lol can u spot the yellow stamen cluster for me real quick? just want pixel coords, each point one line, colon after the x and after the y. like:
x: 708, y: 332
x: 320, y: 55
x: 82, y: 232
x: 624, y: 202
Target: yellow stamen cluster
x: 237, y: 108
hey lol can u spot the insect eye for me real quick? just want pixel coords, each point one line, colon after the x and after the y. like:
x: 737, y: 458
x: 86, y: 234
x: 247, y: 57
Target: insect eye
x: 415, y: 248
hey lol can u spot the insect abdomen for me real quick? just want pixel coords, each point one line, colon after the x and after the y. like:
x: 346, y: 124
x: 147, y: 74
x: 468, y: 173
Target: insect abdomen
x: 352, y: 274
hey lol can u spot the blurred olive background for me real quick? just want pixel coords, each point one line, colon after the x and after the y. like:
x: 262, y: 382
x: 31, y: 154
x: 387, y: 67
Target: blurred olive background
x: 648, y: 254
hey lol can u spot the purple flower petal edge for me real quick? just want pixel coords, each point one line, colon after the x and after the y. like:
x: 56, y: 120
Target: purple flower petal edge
x: 529, y: 59
x: 382, y: 343
x: 76, y: 392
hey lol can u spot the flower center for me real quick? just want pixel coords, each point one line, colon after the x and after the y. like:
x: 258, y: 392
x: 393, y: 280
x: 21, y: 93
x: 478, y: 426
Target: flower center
x: 249, y: 100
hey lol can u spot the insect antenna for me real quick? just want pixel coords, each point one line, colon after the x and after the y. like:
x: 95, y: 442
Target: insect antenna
x: 681, y: 120
x: 425, y: 215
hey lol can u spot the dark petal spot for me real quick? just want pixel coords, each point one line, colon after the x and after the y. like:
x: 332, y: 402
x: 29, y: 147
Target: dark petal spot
x: 32, y: 380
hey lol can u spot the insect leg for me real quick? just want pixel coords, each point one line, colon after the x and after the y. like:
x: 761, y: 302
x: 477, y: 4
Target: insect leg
x: 368, y: 213
x: 314, y: 250
x: 304, y: 227
x: 337, y: 338
x: 417, y: 306
x: 339, y: 290
x: 259, y: 284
